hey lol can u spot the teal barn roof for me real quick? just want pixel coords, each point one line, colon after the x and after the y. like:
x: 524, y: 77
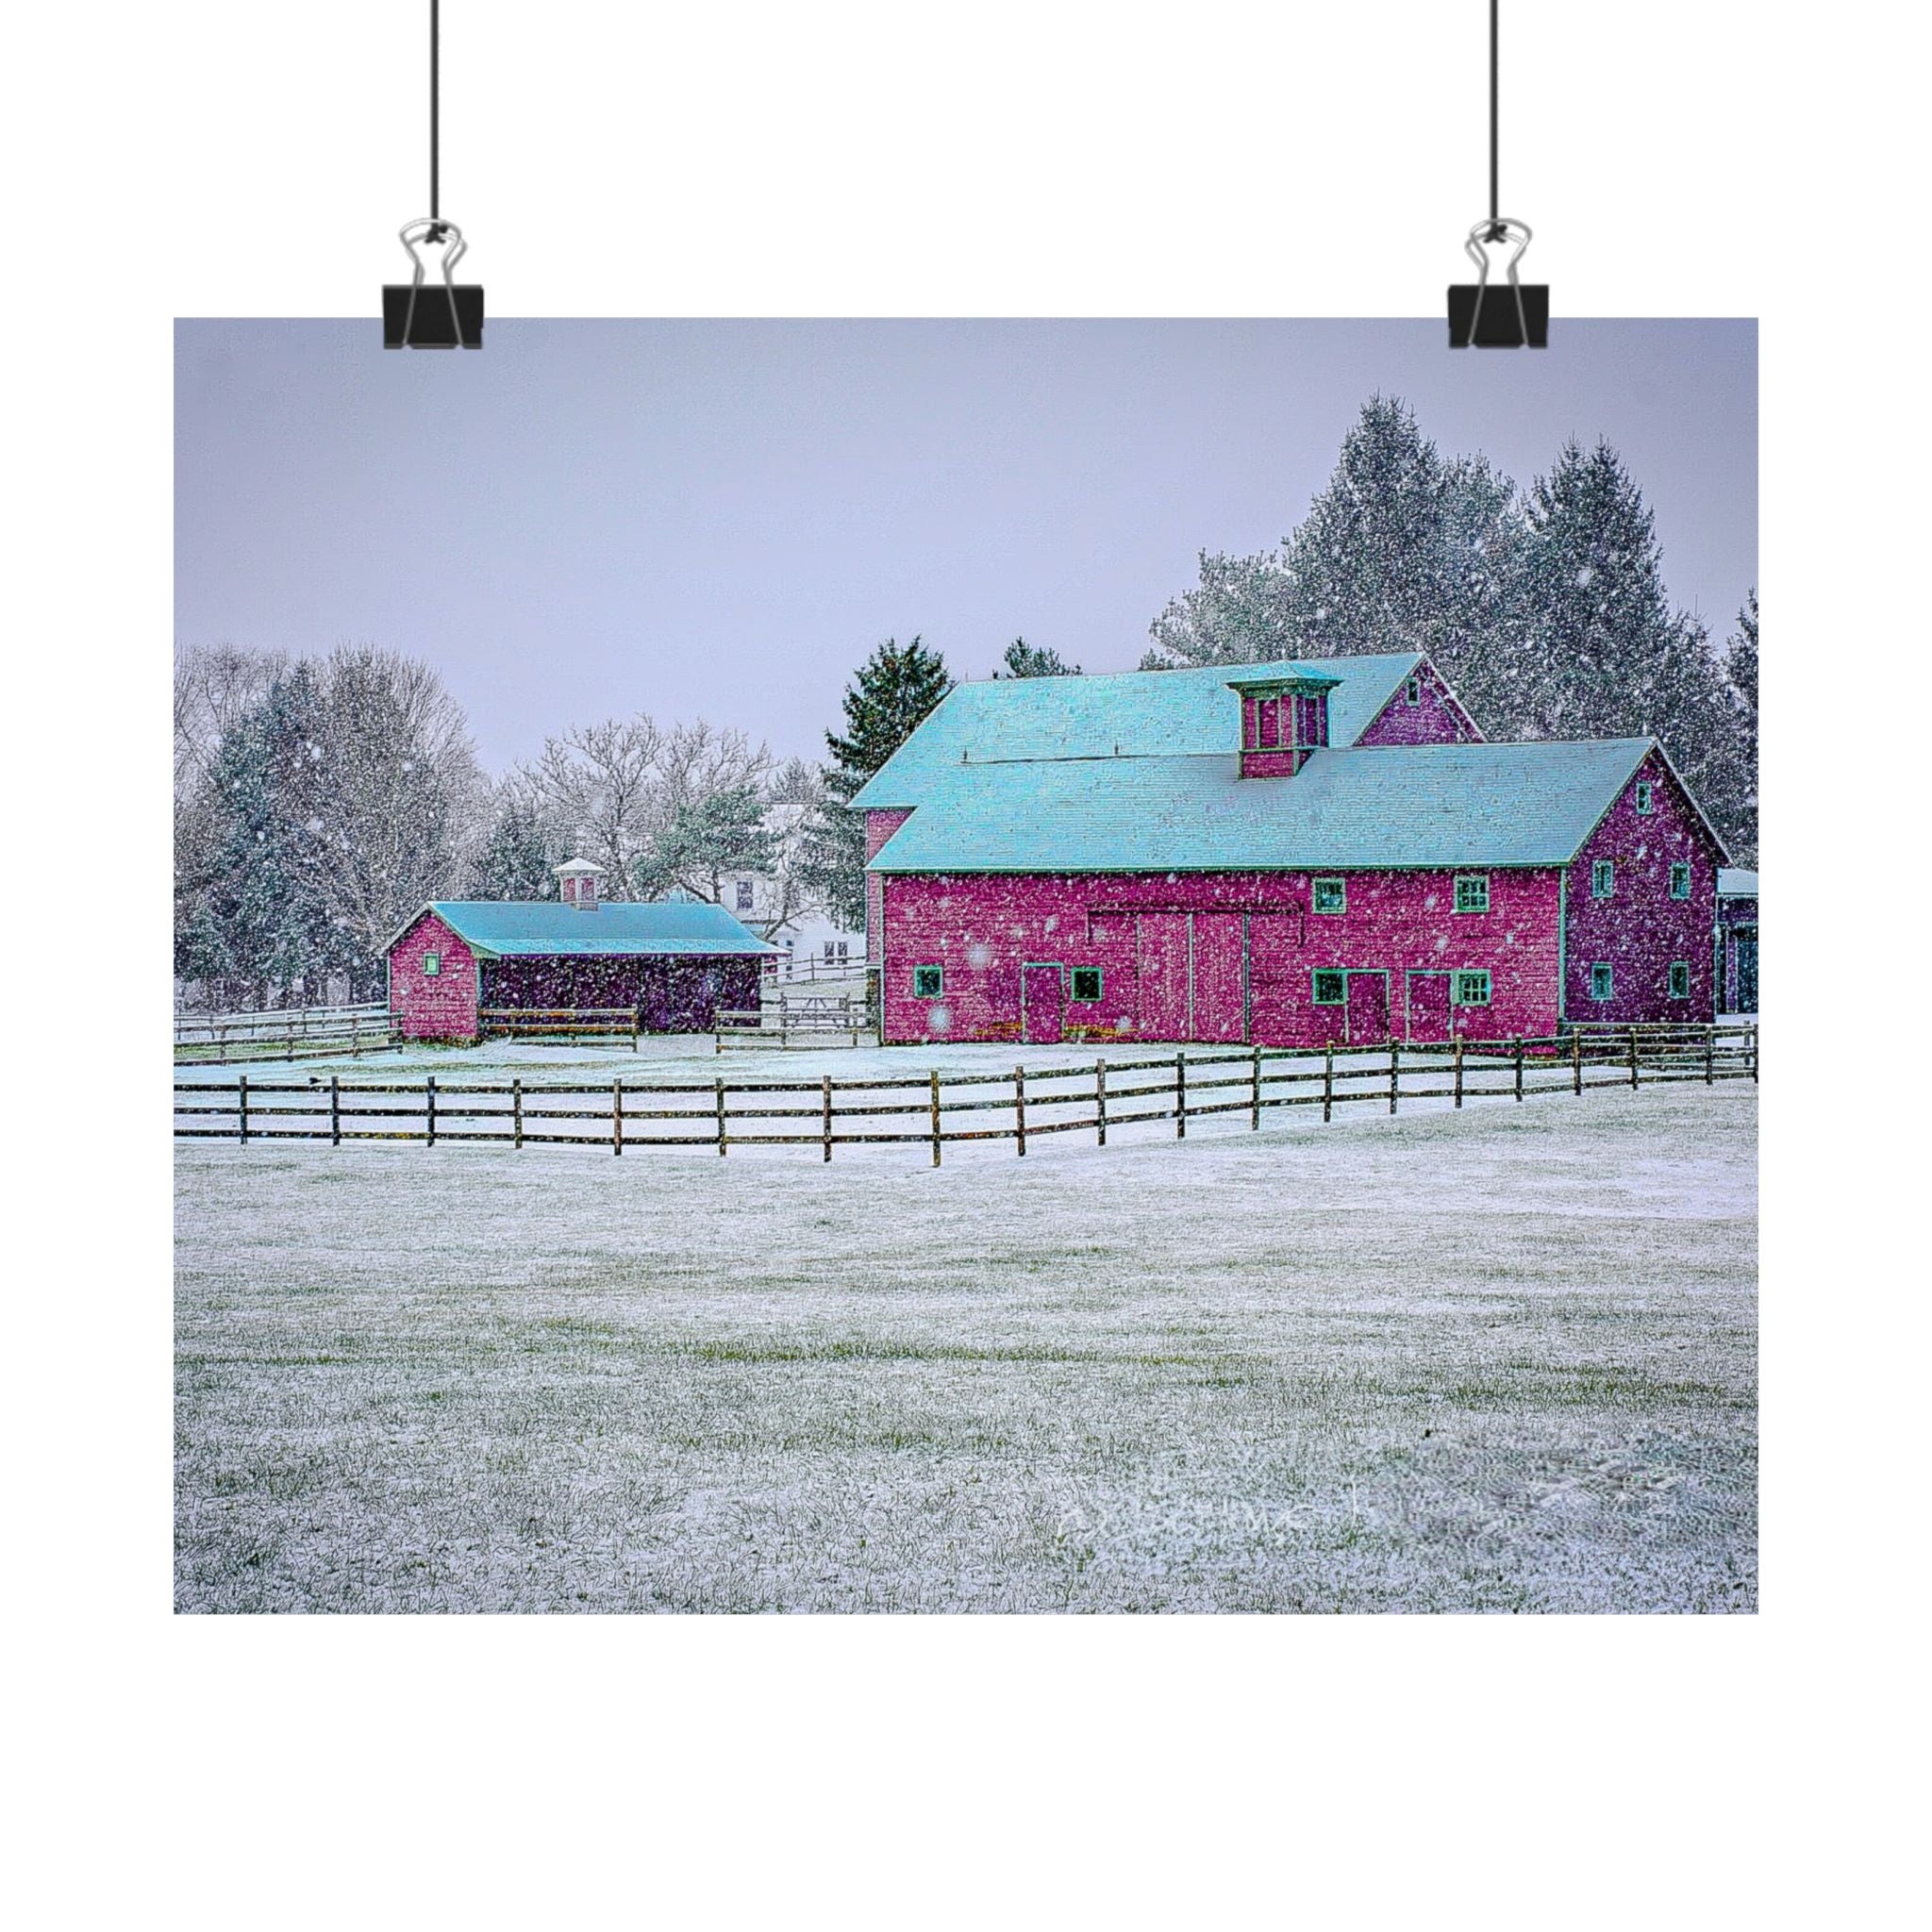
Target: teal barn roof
x: 1734, y: 883
x: 1397, y: 806
x: 548, y: 927
x: 1136, y: 713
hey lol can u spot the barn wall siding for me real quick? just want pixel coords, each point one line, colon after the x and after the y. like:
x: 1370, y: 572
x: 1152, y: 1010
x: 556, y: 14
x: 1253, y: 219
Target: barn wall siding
x: 1639, y: 929
x: 879, y: 826
x: 1438, y: 719
x: 438, y: 1007
x: 982, y: 930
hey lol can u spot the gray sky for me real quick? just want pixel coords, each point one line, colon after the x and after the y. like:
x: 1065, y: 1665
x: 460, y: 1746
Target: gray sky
x: 721, y: 519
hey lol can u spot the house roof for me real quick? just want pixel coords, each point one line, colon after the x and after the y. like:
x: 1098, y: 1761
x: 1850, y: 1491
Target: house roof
x: 1428, y: 804
x: 1734, y: 883
x: 1142, y: 713
x: 548, y: 927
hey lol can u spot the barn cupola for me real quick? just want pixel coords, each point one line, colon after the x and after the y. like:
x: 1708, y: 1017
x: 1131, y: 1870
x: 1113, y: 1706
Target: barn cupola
x: 576, y: 883
x: 1283, y: 719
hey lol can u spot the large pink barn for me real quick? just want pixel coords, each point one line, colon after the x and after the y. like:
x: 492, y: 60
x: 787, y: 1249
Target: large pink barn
x: 1294, y: 853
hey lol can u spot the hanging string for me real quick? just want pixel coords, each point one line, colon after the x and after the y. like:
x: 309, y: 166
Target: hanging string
x: 1496, y: 210
x: 435, y: 37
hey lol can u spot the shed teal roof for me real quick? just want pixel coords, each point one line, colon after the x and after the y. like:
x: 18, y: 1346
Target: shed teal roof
x: 1141, y: 713
x: 1427, y: 805
x: 549, y: 927
x: 1734, y: 883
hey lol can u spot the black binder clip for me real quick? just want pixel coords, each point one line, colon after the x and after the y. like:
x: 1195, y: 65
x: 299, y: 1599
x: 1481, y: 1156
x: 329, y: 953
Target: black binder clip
x: 1522, y: 322
x: 449, y: 318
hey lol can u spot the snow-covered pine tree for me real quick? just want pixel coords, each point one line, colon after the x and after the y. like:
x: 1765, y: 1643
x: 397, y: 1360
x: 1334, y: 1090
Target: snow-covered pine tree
x: 891, y: 692
x: 515, y: 861
x: 1741, y: 672
x: 705, y: 839
x: 267, y: 901
x: 1399, y: 552
x: 1034, y: 661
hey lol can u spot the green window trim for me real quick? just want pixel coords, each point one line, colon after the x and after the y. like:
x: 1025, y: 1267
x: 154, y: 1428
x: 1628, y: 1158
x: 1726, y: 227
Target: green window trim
x: 1335, y: 994
x: 1646, y: 797
x: 1470, y: 988
x: 1471, y: 892
x: 1086, y: 982
x: 1680, y: 880
x: 929, y: 982
x: 1680, y: 980
x: 1328, y: 895
x: 1603, y: 878
x: 1413, y: 691
x: 432, y: 965
x: 1603, y: 982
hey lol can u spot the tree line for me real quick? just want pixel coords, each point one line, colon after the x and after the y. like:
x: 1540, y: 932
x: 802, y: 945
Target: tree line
x: 320, y: 802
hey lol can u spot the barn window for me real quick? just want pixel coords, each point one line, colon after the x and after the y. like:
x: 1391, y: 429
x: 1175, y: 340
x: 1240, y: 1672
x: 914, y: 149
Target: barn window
x: 1471, y: 892
x: 1680, y: 880
x: 432, y: 965
x: 1331, y: 989
x: 744, y: 895
x: 1603, y: 880
x: 1414, y: 693
x: 1602, y: 982
x: 1680, y: 980
x: 929, y: 982
x: 1086, y: 982
x: 1646, y: 795
x: 1472, y: 990
x: 1331, y: 895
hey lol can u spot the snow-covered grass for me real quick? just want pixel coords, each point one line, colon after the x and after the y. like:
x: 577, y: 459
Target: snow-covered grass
x: 1501, y: 1359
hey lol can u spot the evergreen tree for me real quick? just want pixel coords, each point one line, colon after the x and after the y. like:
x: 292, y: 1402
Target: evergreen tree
x: 1741, y: 672
x: 516, y: 860
x: 892, y: 693
x: 1401, y: 551
x: 1035, y: 660
x: 267, y: 903
x: 706, y: 841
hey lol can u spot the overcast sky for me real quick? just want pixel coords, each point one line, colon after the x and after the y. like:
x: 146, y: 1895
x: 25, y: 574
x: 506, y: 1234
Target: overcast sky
x: 721, y: 519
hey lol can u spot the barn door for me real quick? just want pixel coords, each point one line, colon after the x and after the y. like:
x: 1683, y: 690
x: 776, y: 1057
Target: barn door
x: 1161, y: 959
x: 1368, y: 1008
x: 1042, y: 1004
x: 1428, y: 1006
x: 1220, y: 1002
x: 1747, y: 972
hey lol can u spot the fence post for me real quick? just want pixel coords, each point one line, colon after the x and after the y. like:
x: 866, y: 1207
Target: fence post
x: 1180, y: 1096
x: 825, y: 1115
x: 244, y: 1109
x: 634, y: 1028
x: 1020, y: 1108
x: 617, y: 1117
x: 1753, y: 1045
x: 1518, y: 1066
x: 1100, y: 1097
x: 1459, y: 1071
x: 1255, y: 1098
x: 1328, y: 1081
x: 720, y: 1120
x: 335, y: 1110
x: 1633, y: 1056
x: 935, y: 1116
x: 1394, y: 1074
x: 429, y: 1093
x: 1709, y: 1058
x: 1576, y: 1061
x: 516, y: 1109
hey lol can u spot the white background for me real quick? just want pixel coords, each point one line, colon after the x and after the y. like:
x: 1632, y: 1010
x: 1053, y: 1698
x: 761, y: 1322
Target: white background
x: 1051, y: 159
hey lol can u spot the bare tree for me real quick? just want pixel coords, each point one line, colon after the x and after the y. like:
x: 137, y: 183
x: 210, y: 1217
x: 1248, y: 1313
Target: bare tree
x: 597, y: 785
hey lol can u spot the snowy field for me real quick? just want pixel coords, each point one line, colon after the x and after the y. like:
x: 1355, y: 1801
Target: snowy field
x: 1503, y: 1359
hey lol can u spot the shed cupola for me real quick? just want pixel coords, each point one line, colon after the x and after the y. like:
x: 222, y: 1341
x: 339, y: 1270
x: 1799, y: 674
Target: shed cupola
x: 1284, y: 719
x: 576, y: 883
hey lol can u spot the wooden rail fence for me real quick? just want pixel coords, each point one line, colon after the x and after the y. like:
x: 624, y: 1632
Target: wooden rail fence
x: 937, y: 1111
x: 559, y: 1022
x: 797, y: 1020
x: 292, y: 1033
